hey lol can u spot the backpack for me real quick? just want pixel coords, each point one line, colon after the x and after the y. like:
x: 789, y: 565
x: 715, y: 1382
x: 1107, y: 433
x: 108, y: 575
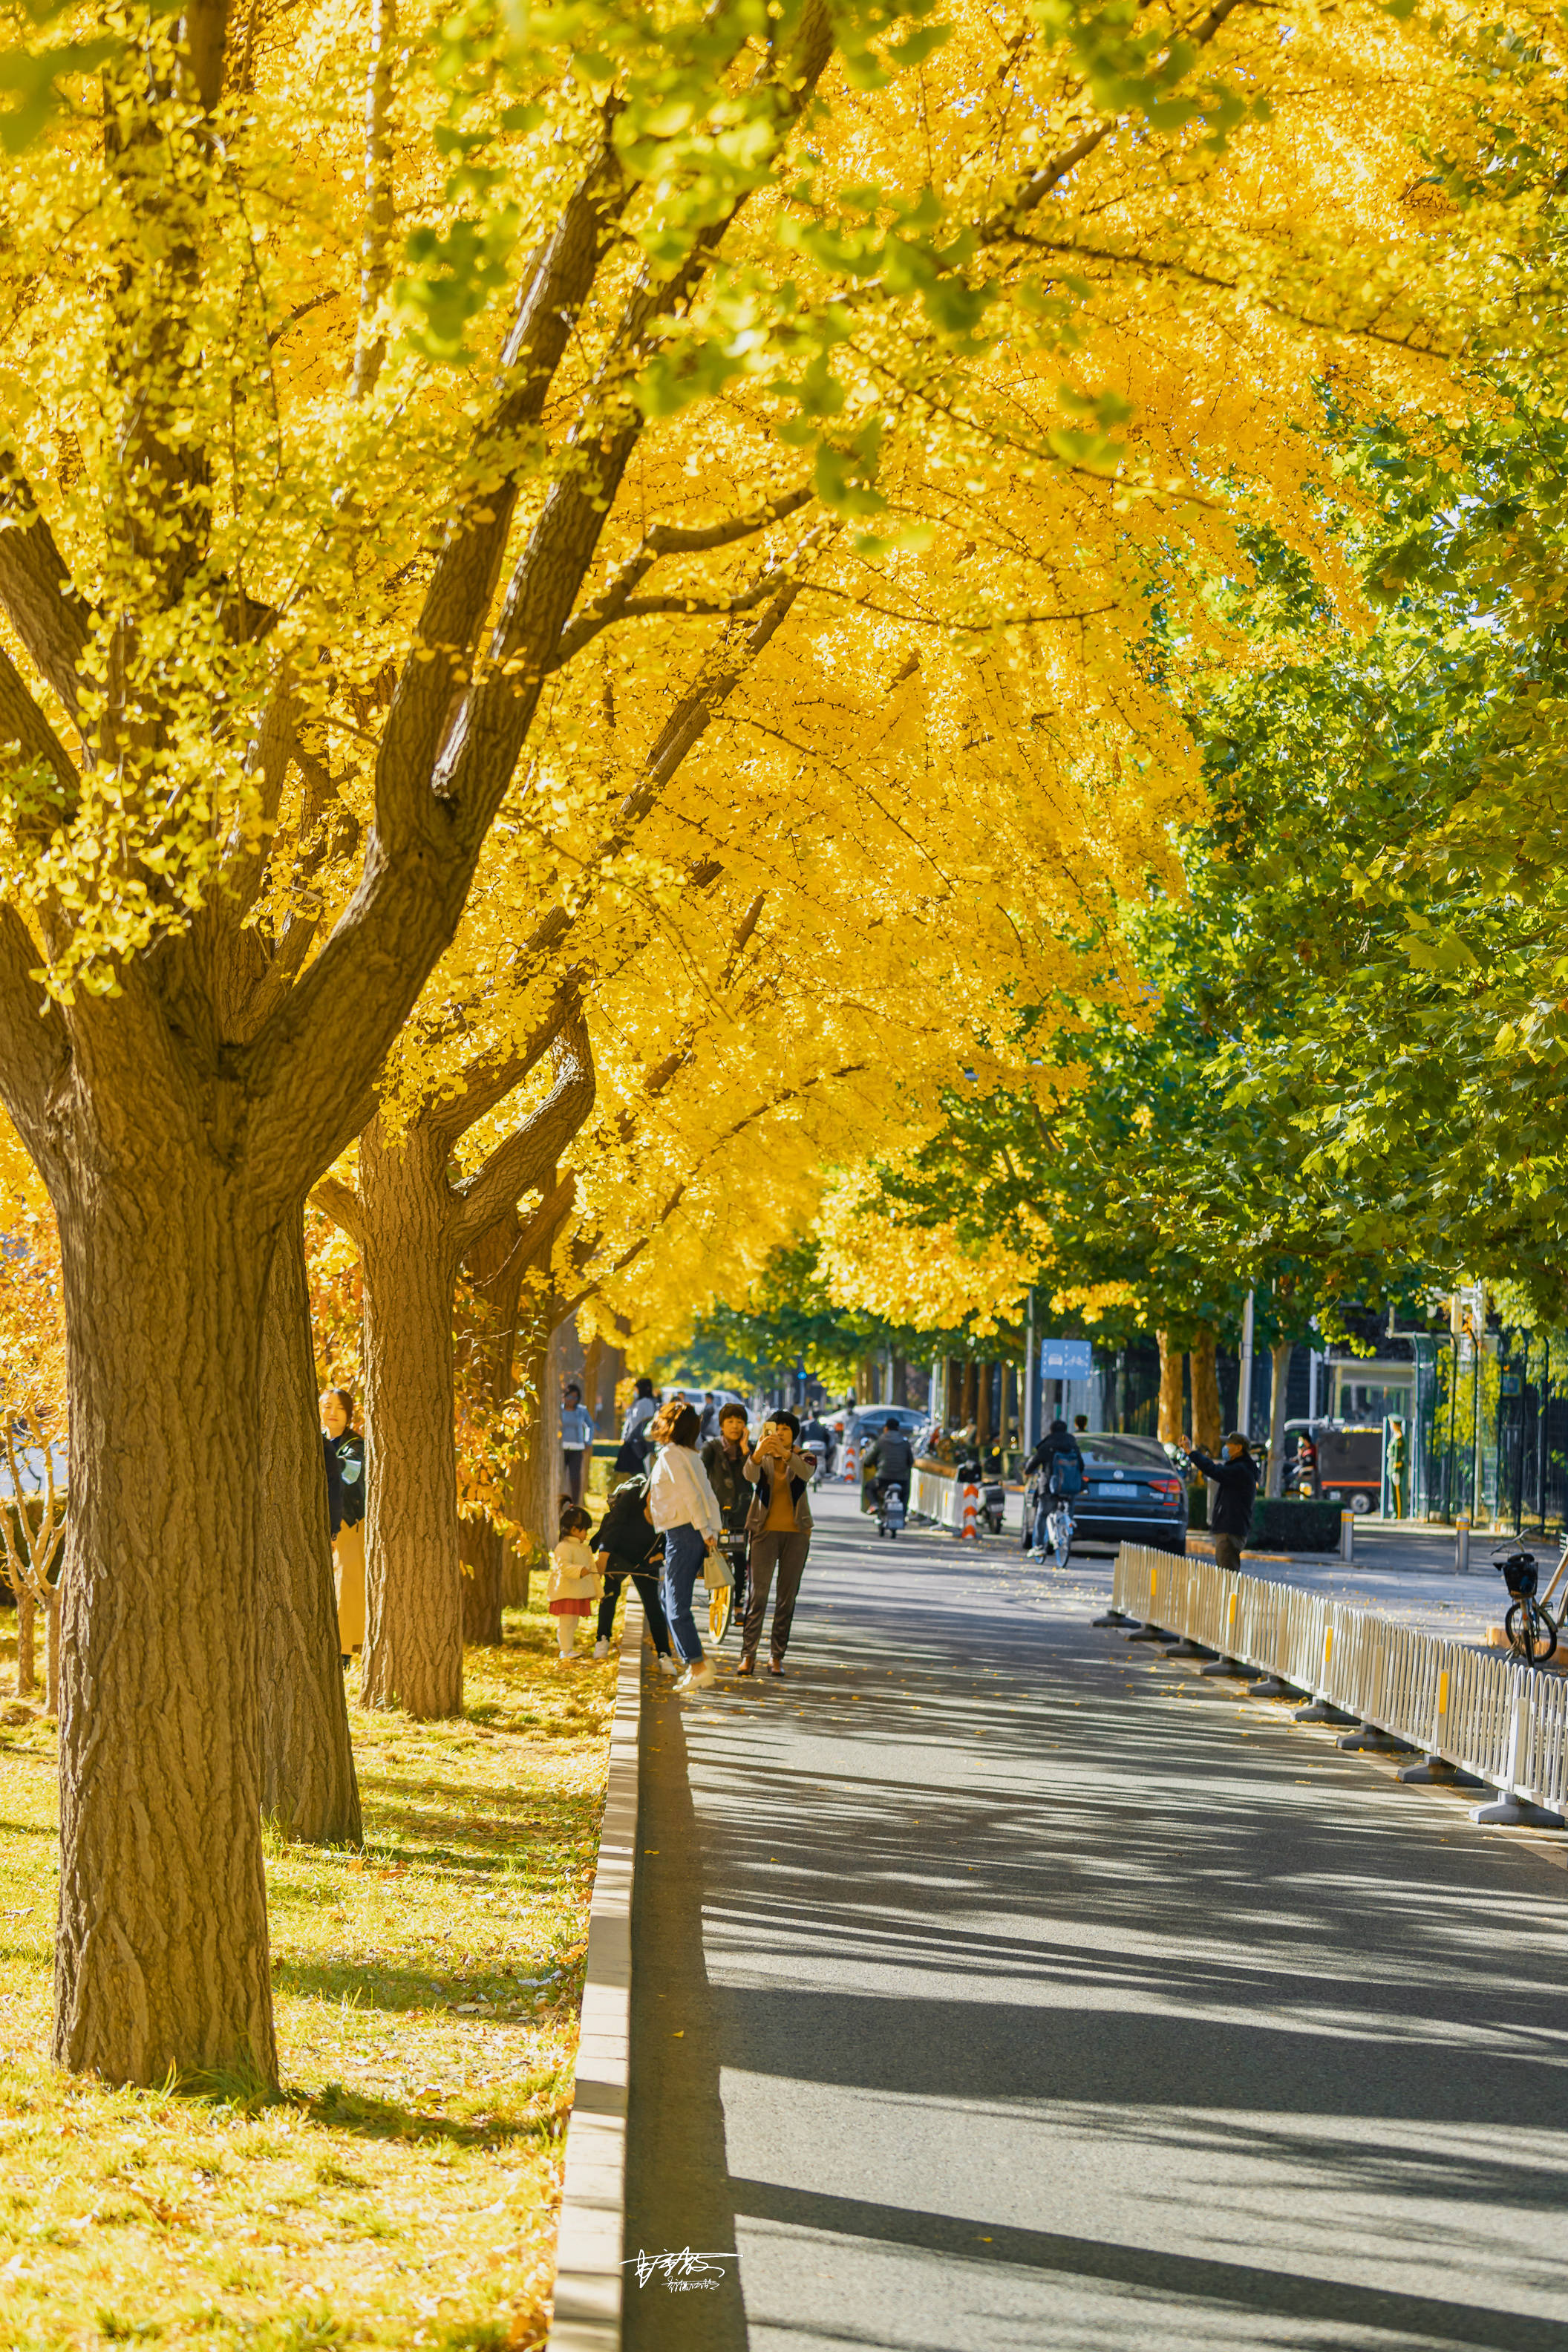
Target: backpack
x: 1065, y: 1474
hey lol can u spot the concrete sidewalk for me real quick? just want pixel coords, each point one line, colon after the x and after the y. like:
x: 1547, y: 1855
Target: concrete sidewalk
x: 1001, y: 1985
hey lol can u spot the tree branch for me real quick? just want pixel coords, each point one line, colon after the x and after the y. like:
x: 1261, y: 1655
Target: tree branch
x: 35, y: 1047
x: 492, y: 1080
x: 203, y: 35
x: 24, y: 724
x: 670, y: 539
x: 517, y: 1165
x: 340, y: 1202
x: 53, y: 622
x: 375, y: 262
x: 1038, y: 187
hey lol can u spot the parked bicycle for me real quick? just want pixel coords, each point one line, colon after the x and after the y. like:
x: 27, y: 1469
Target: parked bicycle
x: 1531, y: 1630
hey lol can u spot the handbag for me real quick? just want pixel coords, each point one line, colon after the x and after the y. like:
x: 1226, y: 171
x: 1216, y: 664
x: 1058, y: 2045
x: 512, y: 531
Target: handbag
x: 717, y: 1574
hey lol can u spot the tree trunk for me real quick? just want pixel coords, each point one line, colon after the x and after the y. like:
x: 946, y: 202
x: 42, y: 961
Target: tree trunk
x: 414, y: 1584
x: 481, y: 1547
x: 983, y: 1409
x: 309, y: 1786
x: 1169, y: 1430
x: 161, y: 1955
x: 592, y: 1365
x: 27, y: 1662
x: 1279, y: 1357
x: 1204, y: 1362
x: 52, y: 1652
x: 538, y: 1508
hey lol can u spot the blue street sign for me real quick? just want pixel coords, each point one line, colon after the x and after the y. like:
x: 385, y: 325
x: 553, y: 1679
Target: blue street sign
x: 1066, y: 1360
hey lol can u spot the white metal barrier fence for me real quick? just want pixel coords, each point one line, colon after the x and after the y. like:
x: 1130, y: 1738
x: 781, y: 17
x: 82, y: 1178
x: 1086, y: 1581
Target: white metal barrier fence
x: 1483, y: 1712
x: 939, y: 1500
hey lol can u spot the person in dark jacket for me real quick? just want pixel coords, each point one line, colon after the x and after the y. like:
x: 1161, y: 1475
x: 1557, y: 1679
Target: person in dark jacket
x: 1236, y: 1478
x: 893, y: 1459
x: 344, y: 1450
x: 1055, y: 1468
x: 724, y: 1458
x: 626, y: 1545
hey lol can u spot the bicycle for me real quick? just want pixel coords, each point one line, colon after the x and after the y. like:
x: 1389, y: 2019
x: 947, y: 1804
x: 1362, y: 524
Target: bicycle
x: 1059, y: 1530
x: 1531, y: 1630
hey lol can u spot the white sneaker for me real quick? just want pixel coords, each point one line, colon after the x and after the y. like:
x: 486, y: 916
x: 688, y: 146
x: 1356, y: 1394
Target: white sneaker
x: 601, y: 1650
x: 665, y: 1663
x: 697, y: 1677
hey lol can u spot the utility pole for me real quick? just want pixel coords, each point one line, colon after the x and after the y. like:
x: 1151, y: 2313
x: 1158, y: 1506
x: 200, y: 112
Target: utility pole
x: 1244, y: 1387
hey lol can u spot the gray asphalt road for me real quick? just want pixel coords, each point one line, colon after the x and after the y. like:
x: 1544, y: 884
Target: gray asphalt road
x: 1000, y: 1986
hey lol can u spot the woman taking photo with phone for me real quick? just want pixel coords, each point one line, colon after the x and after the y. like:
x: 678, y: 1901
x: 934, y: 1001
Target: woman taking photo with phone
x: 779, y: 1524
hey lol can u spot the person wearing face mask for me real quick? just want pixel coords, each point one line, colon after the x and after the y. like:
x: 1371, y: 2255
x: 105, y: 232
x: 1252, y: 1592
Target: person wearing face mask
x: 344, y: 1451
x: 1236, y: 1478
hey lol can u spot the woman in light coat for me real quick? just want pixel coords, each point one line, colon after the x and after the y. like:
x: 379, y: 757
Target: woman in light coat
x: 686, y: 1512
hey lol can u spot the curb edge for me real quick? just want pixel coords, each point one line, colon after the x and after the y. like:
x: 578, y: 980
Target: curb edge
x: 592, y: 2238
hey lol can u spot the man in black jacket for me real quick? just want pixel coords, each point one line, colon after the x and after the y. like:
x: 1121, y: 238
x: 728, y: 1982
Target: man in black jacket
x: 1236, y: 1478
x: 894, y: 1461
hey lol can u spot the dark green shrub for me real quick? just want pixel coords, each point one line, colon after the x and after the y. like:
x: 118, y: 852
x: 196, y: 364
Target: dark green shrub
x: 1289, y: 1525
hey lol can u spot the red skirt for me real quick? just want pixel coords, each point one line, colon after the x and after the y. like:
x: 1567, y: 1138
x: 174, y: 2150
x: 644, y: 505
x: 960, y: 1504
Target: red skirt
x: 570, y: 1608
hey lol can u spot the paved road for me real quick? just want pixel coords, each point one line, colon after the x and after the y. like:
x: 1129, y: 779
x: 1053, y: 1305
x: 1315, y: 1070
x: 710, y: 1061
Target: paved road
x: 999, y: 1985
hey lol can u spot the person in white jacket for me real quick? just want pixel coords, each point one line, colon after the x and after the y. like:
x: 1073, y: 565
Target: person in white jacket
x: 685, y: 1513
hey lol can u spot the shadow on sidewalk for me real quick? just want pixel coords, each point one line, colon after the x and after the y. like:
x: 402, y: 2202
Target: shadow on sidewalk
x: 678, y: 2192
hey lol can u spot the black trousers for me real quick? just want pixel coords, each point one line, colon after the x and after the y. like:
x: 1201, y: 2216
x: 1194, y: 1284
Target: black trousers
x: 647, y: 1582
x: 571, y: 1455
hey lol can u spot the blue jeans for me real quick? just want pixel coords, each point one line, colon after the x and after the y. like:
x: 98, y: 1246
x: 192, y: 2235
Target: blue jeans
x: 684, y: 1553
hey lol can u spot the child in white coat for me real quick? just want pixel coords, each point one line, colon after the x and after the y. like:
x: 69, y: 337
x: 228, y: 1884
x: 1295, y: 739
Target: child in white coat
x: 576, y: 1582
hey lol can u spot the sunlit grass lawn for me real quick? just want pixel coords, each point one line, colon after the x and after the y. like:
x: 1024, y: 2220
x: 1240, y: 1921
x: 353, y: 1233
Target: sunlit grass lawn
x: 403, y: 2191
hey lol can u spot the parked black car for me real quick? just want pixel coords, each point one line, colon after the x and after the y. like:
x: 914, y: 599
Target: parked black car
x: 1132, y: 1493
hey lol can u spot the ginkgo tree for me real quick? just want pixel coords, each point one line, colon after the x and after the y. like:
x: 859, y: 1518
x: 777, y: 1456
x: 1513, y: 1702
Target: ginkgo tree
x: 305, y: 503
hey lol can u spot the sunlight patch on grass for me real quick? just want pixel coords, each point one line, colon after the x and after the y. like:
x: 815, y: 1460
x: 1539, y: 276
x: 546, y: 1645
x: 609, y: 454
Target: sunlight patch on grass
x: 403, y: 2191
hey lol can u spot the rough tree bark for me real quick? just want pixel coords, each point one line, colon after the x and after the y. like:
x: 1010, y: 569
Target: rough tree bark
x: 309, y: 1786
x: 413, y: 1225
x: 1280, y: 1364
x: 52, y: 1652
x: 1169, y: 1428
x: 160, y: 1955
x: 414, y: 1585
x: 27, y: 1658
x: 488, y: 1335
x: 1203, y: 1361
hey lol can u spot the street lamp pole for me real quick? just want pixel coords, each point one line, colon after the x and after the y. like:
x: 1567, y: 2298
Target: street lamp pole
x: 1244, y: 1387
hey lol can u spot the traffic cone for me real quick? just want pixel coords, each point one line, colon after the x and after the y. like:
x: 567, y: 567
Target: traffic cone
x: 969, y: 1532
